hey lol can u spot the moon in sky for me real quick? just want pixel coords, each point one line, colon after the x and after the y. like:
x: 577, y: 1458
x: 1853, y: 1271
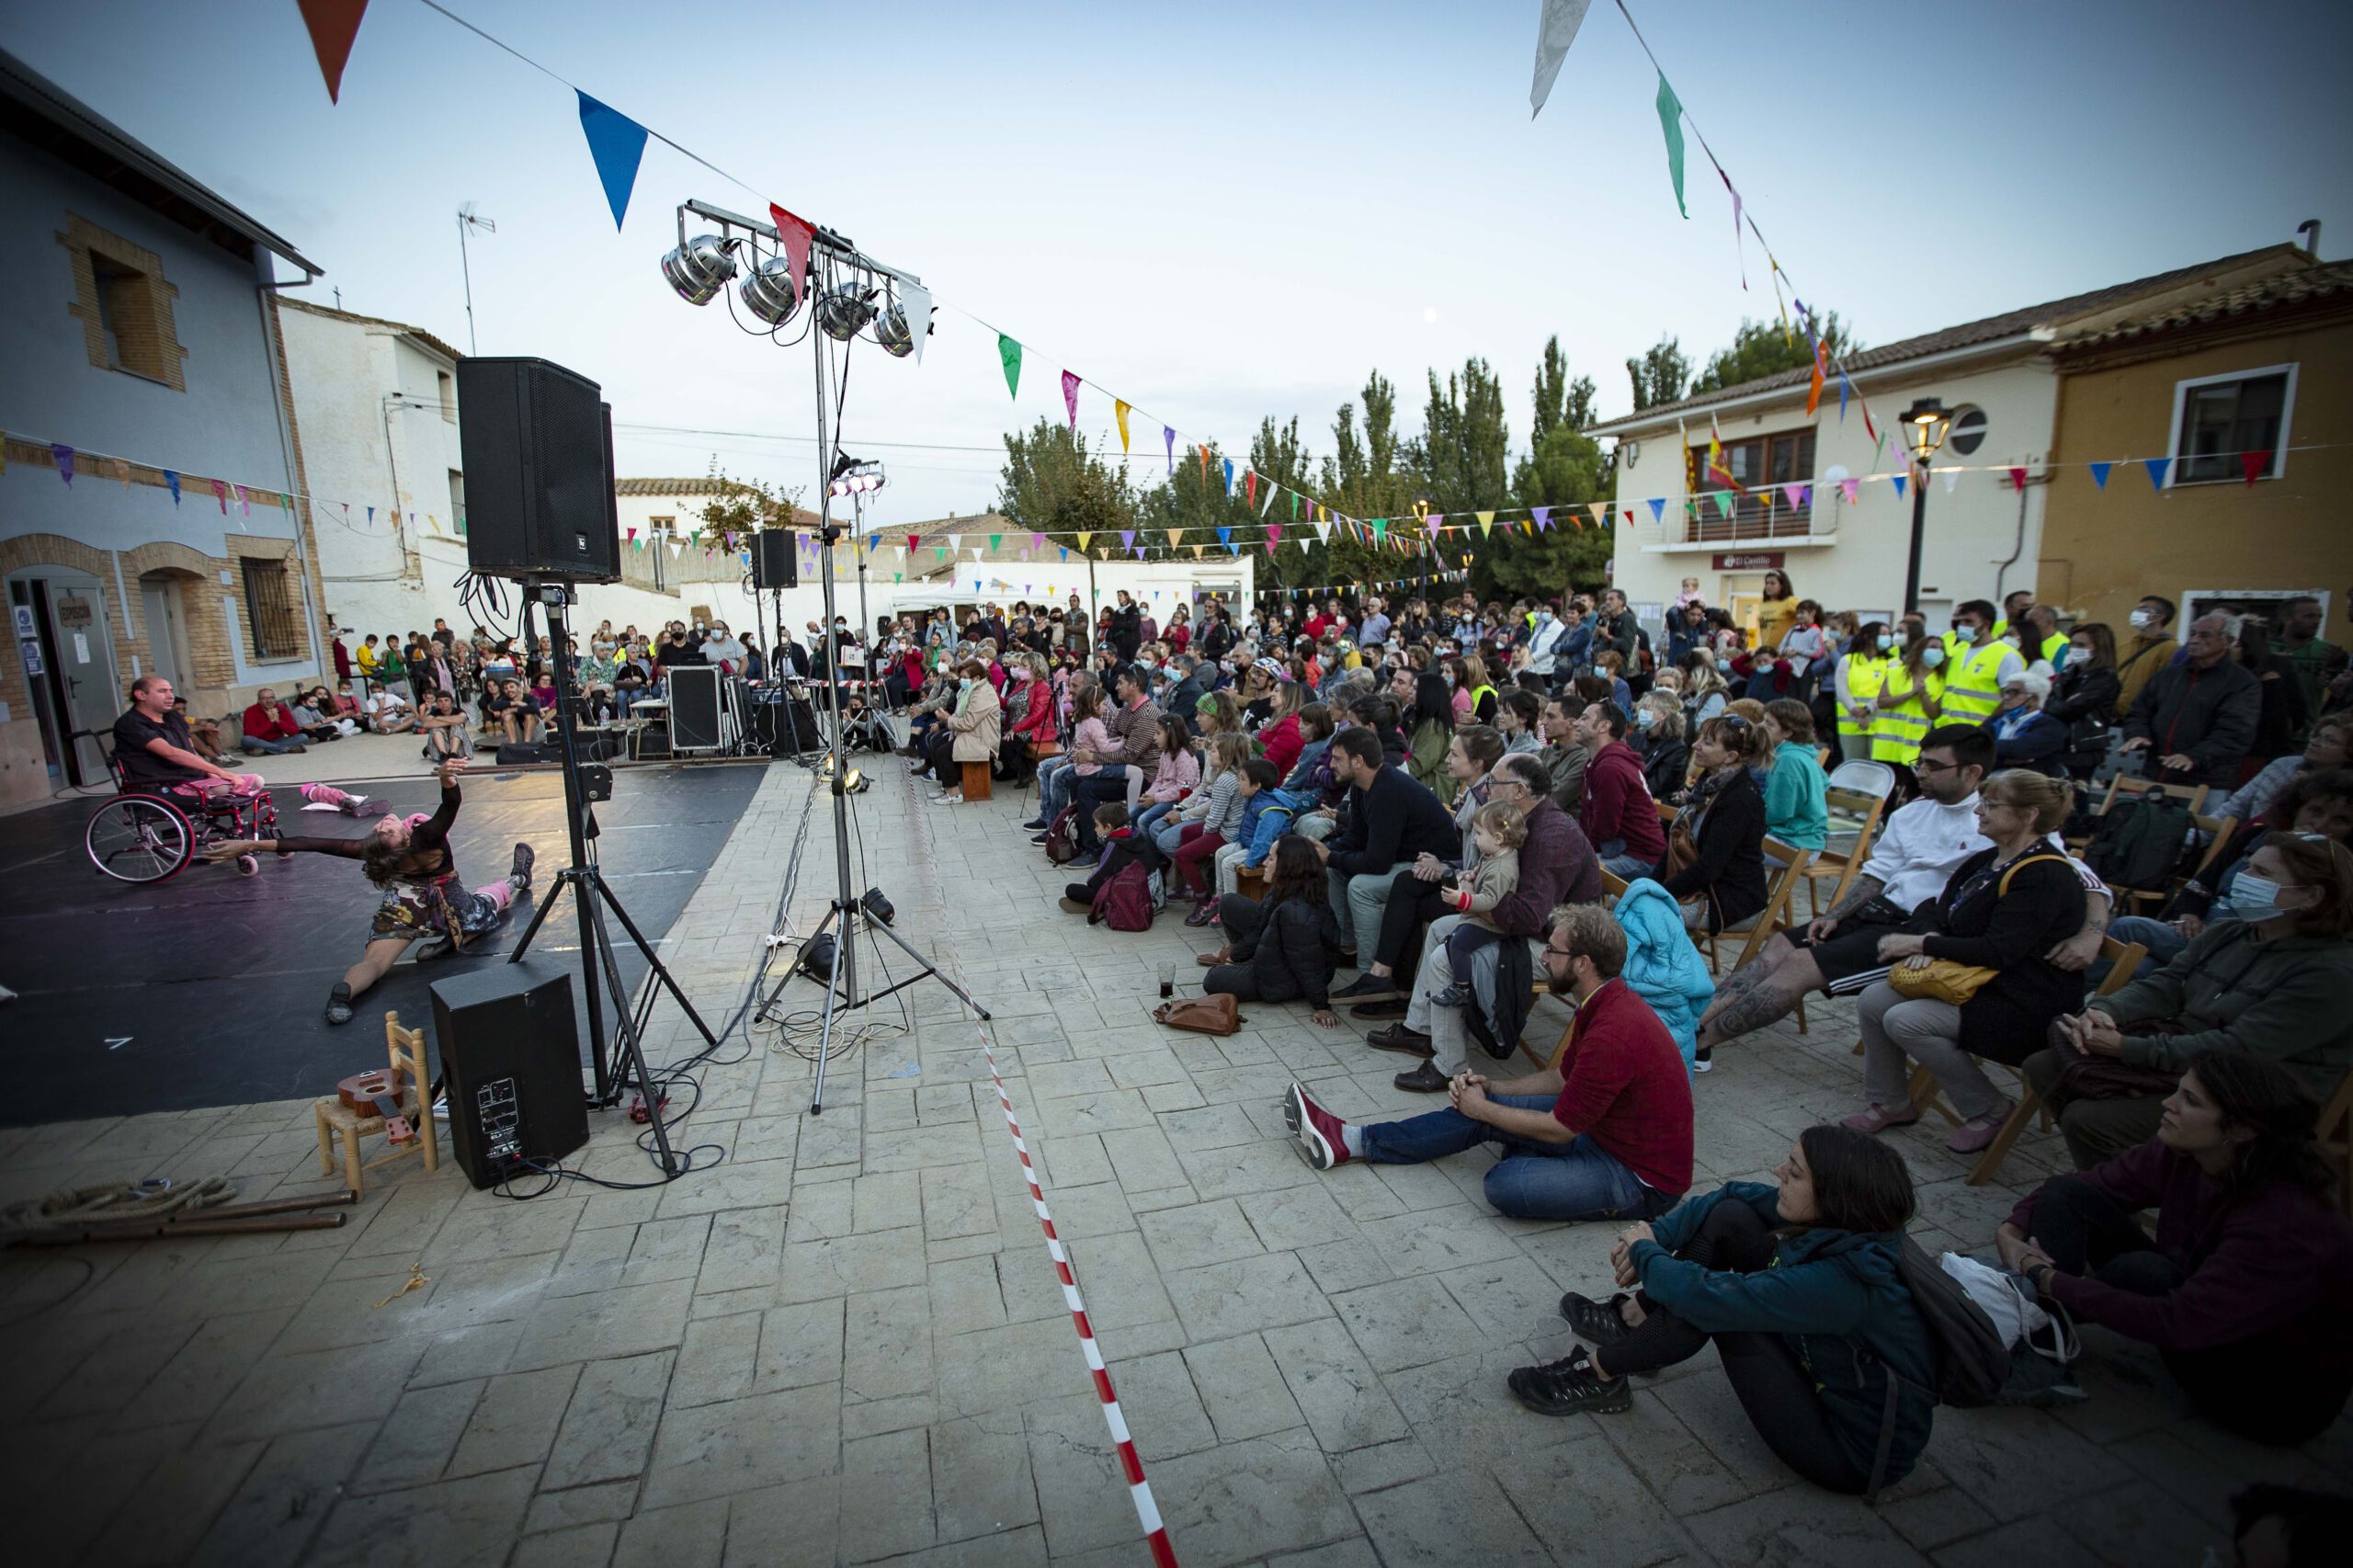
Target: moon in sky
x: 1430, y: 314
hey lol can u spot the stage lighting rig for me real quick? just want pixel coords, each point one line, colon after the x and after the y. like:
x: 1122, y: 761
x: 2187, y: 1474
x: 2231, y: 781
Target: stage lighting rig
x: 845, y: 310
x: 770, y: 292
x: 701, y: 267
x: 856, y: 480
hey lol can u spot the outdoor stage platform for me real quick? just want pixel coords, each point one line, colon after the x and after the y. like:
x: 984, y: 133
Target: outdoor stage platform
x: 209, y: 989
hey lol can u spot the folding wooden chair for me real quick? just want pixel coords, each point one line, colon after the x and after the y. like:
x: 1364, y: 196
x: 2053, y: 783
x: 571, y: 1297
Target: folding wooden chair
x: 2191, y: 795
x: 2142, y: 901
x: 2123, y: 959
x: 336, y: 1121
x: 1758, y: 928
x: 1839, y: 866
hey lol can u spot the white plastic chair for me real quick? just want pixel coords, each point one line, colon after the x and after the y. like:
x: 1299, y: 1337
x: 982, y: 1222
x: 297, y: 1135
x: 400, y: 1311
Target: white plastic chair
x: 1864, y: 776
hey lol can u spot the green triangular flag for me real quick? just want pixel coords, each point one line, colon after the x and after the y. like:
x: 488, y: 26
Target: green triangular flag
x: 1294, y: 505
x: 1670, y: 118
x: 1724, y: 502
x: 994, y: 539
x: 1010, y: 351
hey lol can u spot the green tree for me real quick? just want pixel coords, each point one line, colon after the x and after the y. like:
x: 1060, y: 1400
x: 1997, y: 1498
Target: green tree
x: 1053, y: 483
x: 1761, y: 348
x: 1659, y: 376
x: 745, y: 506
x: 1558, y: 400
x: 1566, y: 471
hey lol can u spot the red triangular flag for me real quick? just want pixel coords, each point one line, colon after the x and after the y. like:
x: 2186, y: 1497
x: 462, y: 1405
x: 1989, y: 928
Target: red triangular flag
x: 1250, y: 494
x: 2255, y: 465
x: 2017, y: 479
x: 913, y: 541
x: 794, y: 234
x: 332, y: 24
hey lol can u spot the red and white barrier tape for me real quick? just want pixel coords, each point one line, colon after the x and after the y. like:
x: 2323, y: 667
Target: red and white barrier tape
x: 1155, y: 1534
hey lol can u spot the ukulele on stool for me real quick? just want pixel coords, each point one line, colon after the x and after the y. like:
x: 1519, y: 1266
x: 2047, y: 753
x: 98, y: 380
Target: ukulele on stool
x: 380, y: 1092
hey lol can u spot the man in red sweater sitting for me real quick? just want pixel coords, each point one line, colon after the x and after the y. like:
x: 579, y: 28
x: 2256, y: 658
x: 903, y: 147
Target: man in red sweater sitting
x: 270, y: 727
x: 1619, y: 819
x: 1605, y: 1135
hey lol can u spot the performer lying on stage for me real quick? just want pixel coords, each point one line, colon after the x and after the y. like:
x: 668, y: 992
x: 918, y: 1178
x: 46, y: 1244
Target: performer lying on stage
x: 409, y: 859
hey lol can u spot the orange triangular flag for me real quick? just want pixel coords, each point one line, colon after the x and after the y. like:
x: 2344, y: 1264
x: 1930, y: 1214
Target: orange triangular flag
x: 333, y: 25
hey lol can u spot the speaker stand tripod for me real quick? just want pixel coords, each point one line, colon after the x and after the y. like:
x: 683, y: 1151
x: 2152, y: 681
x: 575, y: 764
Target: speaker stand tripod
x: 592, y: 896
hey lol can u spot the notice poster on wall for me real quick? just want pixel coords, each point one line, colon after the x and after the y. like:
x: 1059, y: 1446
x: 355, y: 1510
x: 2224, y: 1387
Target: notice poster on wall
x: 81, y: 647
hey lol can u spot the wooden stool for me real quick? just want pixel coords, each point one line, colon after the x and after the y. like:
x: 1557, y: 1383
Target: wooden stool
x: 976, y: 780
x: 1250, y: 882
x: 335, y: 1119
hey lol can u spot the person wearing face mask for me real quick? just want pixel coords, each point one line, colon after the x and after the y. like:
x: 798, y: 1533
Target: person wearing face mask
x: 2272, y: 981
x: 1977, y: 664
x: 2197, y: 719
x: 1909, y: 704
x: 2244, y: 1287
x: 972, y: 732
x: 2083, y: 697
x: 1862, y: 676
x: 2152, y: 648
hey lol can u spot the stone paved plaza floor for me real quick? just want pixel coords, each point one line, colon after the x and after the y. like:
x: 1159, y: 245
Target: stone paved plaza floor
x: 845, y: 1343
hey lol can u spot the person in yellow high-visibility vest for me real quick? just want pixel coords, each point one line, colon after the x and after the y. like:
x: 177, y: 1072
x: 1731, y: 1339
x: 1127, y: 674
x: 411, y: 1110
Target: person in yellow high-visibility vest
x: 1862, y: 676
x: 1975, y: 666
x: 1910, y: 703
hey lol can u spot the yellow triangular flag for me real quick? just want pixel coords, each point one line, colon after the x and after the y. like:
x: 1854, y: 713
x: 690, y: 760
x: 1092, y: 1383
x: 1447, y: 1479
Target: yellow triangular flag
x: 1196, y: 550
x: 1119, y: 409
x: 1084, y: 540
x: 1486, y: 522
x: 1599, y: 512
x: 1174, y: 535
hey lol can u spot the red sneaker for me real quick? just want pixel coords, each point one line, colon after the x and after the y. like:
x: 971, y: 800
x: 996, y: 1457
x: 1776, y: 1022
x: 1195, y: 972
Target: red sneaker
x: 1318, y: 1130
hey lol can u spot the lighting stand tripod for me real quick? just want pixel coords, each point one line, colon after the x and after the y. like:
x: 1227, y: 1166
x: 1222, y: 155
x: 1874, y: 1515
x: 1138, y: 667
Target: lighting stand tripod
x: 848, y: 918
x: 593, y: 895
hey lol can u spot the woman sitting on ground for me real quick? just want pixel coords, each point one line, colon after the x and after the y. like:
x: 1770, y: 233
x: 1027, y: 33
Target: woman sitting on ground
x: 1178, y: 775
x: 1797, y: 1286
x: 1430, y: 731
x: 2245, y: 1287
x: 2003, y: 909
x: 1658, y: 721
x: 1714, y: 864
x: 2024, y: 735
x: 970, y: 733
x: 1281, y: 946
x: 2273, y: 980
x: 1797, y: 803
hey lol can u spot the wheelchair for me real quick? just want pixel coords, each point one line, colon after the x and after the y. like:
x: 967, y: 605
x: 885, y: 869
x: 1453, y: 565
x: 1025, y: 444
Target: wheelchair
x: 149, y: 833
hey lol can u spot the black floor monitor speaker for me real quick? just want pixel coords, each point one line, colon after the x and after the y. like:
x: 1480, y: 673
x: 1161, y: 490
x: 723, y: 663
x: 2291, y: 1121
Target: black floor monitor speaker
x: 777, y: 563
x: 510, y: 1055
x: 537, y: 444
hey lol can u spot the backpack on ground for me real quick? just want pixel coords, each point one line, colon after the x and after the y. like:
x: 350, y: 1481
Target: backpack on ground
x: 1124, y: 901
x: 1061, y: 837
x: 1972, y: 1359
x: 2138, y: 846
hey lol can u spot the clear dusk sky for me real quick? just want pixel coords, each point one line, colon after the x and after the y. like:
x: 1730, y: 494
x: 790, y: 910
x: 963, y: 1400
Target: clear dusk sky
x: 1222, y: 211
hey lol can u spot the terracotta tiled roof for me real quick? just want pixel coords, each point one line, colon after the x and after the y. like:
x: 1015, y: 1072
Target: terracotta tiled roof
x: 2053, y: 314
x: 978, y: 523
x: 2319, y: 282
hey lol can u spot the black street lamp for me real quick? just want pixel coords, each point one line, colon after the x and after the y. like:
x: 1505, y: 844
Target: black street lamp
x: 1926, y: 423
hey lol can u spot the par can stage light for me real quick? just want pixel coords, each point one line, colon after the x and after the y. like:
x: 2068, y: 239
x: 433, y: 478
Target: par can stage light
x: 892, y: 332
x: 845, y: 310
x: 699, y: 268
x: 771, y: 293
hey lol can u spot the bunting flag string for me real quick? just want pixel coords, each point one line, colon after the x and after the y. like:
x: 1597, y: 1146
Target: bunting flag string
x: 1009, y: 353
x: 1069, y: 396
x: 617, y: 145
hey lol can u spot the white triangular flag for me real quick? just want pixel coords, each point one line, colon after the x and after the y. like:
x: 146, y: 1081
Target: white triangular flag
x: 916, y: 300
x: 1556, y: 28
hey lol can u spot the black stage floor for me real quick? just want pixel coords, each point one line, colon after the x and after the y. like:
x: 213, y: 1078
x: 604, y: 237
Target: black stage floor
x: 208, y: 989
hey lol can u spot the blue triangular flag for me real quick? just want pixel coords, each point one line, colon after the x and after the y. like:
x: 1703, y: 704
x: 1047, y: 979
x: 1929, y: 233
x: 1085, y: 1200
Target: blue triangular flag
x: 172, y: 481
x: 1225, y: 536
x: 1065, y: 550
x: 1229, y: 478
x: 872, y: 540
x: 616, y: 142
x: 2156, y: 467
x: 1658, y: 507
x: 371, y: 514
x: 2099, y: 474
x: 1842, y: 397
x: 1899, y: 485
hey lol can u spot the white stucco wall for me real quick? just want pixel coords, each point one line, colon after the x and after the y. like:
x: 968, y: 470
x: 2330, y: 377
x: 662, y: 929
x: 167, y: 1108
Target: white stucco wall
x: 1972, y: 528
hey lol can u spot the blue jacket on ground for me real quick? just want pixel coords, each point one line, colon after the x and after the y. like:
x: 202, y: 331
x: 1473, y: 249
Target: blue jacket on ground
x: 1835, y: 1297
x: 1267, y: 816
x: 1662, y: 966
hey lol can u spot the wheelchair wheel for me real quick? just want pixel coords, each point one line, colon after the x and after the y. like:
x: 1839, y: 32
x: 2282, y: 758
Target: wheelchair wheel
x: 139, y: 839
x: 248, y: 865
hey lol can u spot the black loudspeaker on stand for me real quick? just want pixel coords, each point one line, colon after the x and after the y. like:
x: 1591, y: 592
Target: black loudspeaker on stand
x: 774, y: 562
x: 510, y: 1055
x: 537, y: 444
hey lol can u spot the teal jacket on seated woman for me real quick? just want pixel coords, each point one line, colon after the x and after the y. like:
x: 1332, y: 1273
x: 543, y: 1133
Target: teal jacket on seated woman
x: 1834, y: 1296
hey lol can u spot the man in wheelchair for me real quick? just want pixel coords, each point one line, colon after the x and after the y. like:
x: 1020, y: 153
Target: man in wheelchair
x: 157, y: 754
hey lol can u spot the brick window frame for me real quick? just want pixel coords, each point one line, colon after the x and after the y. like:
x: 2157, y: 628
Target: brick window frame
x: 122, y: 286
x: 273, y: 612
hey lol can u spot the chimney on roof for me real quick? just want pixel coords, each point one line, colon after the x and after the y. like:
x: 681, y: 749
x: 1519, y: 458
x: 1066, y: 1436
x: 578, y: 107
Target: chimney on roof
x: 2310, y: 229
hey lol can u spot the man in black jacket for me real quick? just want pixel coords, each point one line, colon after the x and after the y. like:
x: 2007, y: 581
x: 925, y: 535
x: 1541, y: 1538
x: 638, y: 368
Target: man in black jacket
x: 1188, y: 689
x: 2196, y: 719
x: 1557, y: 866
x: 1614, y: 628
x: 1127, y: 627
x: 1135, y: 735
x: 1392, y: 819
